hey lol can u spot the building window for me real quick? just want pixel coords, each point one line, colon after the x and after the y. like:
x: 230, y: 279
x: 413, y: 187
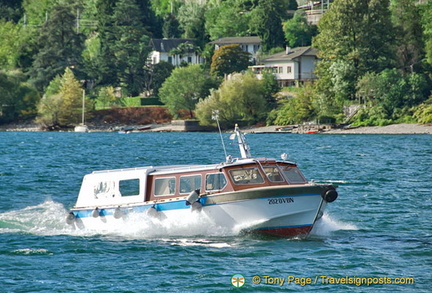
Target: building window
x: 189, y: 59
x: 288, y: 69
x: 280, y: 69
x: 170, y: 59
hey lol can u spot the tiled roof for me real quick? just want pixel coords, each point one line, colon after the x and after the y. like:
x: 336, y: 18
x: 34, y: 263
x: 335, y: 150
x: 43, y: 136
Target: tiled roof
x: 166, y: 45
x: 237, y: 40
x: 293, y: 53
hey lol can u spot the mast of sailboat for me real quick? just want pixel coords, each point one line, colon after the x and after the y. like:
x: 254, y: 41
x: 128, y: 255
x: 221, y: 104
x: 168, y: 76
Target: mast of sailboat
x: 83, y: 106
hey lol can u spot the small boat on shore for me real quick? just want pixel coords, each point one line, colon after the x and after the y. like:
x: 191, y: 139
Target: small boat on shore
x: 259, y: 195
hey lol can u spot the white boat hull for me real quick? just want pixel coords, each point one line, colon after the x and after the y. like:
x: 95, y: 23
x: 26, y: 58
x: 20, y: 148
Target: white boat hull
x: 279, y: 215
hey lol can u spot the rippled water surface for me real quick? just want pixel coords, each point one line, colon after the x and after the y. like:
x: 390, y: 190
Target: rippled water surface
x: 379, y: 228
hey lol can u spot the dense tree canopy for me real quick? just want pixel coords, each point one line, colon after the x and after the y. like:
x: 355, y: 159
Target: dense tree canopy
x: 60, y: 47
x: 183, y: 89
x: 362, y: 46
x: 228, y: 59
x: 240, y: 98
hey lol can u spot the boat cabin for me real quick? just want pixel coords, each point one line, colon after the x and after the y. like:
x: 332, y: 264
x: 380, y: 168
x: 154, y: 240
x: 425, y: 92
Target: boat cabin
x: 150, y: 184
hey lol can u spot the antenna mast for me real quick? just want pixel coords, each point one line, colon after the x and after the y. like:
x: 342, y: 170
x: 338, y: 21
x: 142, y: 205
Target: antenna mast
x: 215, y: 116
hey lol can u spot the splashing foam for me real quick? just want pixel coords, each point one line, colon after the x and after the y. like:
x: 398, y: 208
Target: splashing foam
x: 326, y: 225
x: 48, y: 218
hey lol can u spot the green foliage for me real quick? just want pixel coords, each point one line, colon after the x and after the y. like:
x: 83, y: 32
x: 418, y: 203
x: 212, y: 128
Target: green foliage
x: 423, y: 113
x: 12, y: 40
x: 239, y: 98
x: 171, y: 27
x: 158, y: 73
x: 409, y: 35
x: 183, y: 89
x: 354, y: 37
x: 266, y: 22
x: 228, y: 59
x: 192, y: 21
x: 130, y: 46
x: 298, y: 31
x: 426, y: 20
x: 105, y: 98
x: 60, y: 45
x: 295, y: 110
x: 17, y: 99
x: 227, y: 20
x: 63, y: 107
x: 270, y: 87
x: 388, y: 96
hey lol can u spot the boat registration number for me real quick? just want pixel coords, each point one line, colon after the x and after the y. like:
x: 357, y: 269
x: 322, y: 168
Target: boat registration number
x: 280, y: 200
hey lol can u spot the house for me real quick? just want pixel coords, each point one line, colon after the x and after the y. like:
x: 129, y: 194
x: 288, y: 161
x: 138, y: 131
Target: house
x: 251, y: 45
x: 174, y: 51
x: 292, y: 67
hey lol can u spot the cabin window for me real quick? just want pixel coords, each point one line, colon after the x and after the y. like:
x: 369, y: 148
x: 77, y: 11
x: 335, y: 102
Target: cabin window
x: 189, y: 183
x: 164, y: 186
x: 246, y: 176
x: 215, y: 181
x: 273, y: 174
x: 129, y: 187
x: 293, y: 175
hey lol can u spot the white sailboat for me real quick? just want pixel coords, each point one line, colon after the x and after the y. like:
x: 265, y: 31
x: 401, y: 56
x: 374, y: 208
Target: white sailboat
x: 82, y: 127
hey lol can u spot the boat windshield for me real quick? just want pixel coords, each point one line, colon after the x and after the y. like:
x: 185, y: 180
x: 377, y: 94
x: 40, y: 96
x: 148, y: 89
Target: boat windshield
x: 246, y: 176
x: 273, y: 174
x: 293, y: 175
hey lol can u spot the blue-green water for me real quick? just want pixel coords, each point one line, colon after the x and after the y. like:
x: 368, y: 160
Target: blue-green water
x: 378, y: 228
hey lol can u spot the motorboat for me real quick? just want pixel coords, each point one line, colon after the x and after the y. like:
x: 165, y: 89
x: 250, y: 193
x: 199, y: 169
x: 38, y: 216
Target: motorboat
x: 251, y: 194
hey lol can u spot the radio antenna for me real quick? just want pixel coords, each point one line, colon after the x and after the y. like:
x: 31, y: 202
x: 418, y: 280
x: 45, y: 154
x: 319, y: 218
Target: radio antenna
x: 215, y: 116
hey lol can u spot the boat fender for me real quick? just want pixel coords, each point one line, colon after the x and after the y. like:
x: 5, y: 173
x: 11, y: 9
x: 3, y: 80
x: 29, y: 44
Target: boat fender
x: 330, y: 195
x: 96, y: 213
x: 70, y: 218
x: 192, y: 197
x: 118, y: 213
x: 152, y: 211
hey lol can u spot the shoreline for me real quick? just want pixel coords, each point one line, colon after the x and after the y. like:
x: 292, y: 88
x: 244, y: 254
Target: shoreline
x: 403, y: 128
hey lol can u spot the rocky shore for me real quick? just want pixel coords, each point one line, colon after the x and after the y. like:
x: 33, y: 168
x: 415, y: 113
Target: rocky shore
x: 167, y: 127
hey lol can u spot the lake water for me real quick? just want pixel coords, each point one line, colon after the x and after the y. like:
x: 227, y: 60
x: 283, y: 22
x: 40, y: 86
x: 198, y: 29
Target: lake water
x: 378, y: 231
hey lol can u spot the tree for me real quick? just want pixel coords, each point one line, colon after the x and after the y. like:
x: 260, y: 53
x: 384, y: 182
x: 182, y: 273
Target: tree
x: 389, y: 95
x: 266, y: 22
x: 298, y: 31
x: 409, y: 35
x: 270, y: 87
x: 297, y: 109
x: 240, y: 98
x: 60, y: 45
x: 227, y: 20
x: 426, y: 18
x: 10, y: 10
x: 354, y: 37
x: 18, y: 99
x: 11, y: 43
x: 156, y: 75
x: 228, y: 59
x: 192, y: 21
x: 183, y: 89
x: 62, y: 103
x: 130, y: 46
x: 170, y: 27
